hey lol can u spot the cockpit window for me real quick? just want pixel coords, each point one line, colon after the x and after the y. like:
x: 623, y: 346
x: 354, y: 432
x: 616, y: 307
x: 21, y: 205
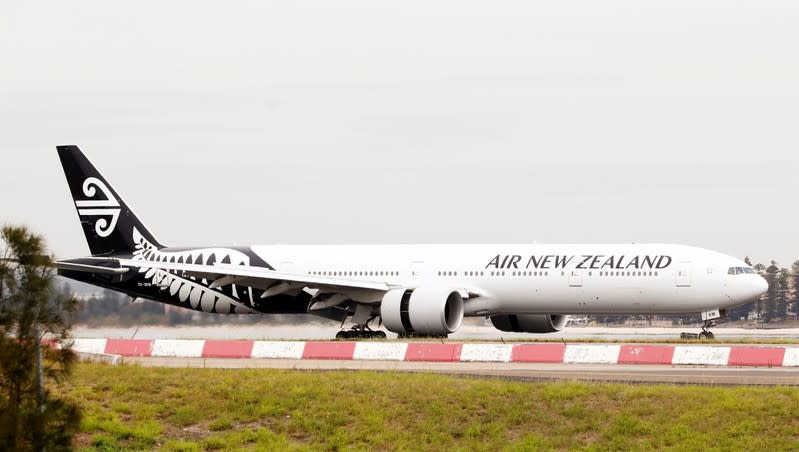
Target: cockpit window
x: 739, y: 270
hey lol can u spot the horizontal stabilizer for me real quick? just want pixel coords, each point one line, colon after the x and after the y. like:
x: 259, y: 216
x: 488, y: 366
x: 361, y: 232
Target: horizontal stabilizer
x: 86, y: 268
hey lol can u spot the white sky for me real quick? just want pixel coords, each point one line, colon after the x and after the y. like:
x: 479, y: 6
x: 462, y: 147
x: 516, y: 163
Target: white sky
x: 372, y: 122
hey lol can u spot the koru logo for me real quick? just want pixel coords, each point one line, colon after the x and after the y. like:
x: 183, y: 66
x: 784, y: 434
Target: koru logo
x: 106, y: 208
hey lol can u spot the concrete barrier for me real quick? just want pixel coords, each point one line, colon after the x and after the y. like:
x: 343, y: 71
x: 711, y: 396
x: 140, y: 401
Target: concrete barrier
x: 592, y: 354
x: 175, y: 348
x: 99, y: 358
x: 701, y: 355
x: 129, y: 347
x: 421, y: 351
x: 380, y: 351
x: 791, y: 357
x: 278, y: 349
x: 227, y: 349
x: 538, y: 353
x: 93, y: 346
x: 499, y: 353
x: 329, y: 350
x: 646, y: 354
x: 756, y: 356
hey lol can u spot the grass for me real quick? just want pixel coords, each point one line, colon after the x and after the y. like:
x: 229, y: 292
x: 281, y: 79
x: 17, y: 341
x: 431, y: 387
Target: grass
x: 130, y: 407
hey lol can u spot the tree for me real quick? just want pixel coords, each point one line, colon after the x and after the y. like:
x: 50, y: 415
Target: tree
x: 773, y: 305
x: 30, y: 309
x: 783, y: 296
x: 793, y: 287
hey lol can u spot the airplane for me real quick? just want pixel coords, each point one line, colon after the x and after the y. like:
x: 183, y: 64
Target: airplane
x: 414, y: 290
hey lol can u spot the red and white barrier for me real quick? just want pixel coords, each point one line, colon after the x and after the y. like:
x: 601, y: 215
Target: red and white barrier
x: 499, y: 353
x: 646, y: 354
x: 592, y: 354
x: 703, y: 355
x: 380, y: 351
x: 278, y: 349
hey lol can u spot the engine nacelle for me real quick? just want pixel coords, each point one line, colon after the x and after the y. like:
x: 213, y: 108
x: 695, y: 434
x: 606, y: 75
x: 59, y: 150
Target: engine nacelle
x: 426, y: 310
x: 540, y: 323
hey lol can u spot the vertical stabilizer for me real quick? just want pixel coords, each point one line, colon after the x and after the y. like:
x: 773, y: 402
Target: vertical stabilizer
x: 107, y: 221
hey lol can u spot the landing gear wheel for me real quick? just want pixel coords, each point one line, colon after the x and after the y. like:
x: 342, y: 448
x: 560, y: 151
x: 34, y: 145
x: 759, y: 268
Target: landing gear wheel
x: 706, y: 334
x: 361, y: 332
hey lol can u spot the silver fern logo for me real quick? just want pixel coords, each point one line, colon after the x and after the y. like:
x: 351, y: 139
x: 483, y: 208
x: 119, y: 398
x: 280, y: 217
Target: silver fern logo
x: 106, y: 209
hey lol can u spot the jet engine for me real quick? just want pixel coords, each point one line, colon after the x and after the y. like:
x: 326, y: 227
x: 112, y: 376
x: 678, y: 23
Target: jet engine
x: 424, y: 311
x: 541, y: 323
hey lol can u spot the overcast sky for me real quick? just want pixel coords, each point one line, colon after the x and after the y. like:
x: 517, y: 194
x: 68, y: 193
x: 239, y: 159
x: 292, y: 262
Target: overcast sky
x: 380, y: 122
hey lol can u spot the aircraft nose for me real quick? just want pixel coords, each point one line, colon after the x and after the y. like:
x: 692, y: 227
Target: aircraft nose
x: 761, y: 286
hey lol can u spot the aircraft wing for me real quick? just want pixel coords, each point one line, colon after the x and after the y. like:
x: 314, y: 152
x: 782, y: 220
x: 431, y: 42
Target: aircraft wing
x: 221, y: 275
x: 226, y: 274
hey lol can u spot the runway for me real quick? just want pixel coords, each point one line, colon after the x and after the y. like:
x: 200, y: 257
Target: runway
x: 468, y: 332
x: 761, y: 376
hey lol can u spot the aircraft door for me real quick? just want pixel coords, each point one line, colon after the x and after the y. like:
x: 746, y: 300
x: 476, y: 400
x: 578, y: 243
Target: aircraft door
x: 683, y: 277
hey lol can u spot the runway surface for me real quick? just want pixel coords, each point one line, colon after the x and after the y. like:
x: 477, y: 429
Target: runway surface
x: 316, y: 331
x: 520, y: 371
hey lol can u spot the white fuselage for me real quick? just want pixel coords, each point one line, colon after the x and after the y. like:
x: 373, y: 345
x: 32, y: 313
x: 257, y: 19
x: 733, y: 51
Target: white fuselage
x: 539, y: 279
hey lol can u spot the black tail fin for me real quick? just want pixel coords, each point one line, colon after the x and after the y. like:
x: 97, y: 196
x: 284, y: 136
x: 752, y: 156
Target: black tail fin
x: 107, y: 221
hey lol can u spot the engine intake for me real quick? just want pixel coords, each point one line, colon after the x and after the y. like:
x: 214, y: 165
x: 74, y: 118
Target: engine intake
x: 541, y: 323
x: 425, y: 310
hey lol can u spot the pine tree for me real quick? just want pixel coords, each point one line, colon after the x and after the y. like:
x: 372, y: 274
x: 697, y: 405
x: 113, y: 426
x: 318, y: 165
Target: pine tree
x: 31, y: 418
x: 793, y: 290
x: 782, y: 293
x: 758, y: 307
x: 771, y: 308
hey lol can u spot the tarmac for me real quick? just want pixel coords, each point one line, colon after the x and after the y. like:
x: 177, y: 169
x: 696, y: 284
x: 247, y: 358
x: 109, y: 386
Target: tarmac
x: 467, y: 332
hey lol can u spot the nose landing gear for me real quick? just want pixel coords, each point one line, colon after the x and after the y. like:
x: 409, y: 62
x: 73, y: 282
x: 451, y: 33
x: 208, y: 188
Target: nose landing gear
x: 709, y: 321
x: 706, y: 334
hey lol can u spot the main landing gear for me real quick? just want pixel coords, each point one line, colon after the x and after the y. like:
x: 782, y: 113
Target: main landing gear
x: 361, y: 332
x: 421, y: 336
